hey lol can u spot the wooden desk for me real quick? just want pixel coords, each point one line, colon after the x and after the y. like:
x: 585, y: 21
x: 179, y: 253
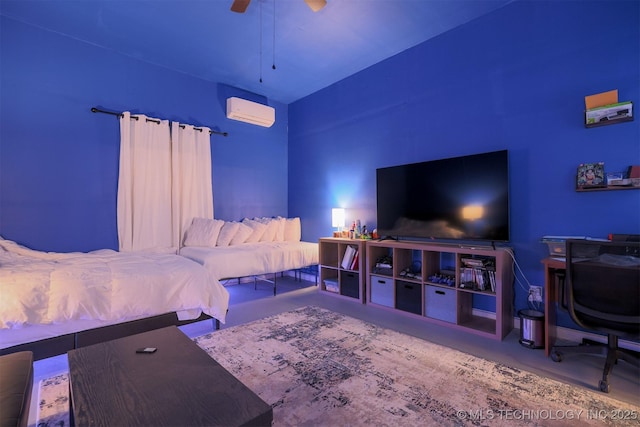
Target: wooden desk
x: 551, y: 268
x: 179, y: 384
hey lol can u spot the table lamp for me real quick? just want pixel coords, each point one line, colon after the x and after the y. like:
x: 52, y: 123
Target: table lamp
x: 337, y: 219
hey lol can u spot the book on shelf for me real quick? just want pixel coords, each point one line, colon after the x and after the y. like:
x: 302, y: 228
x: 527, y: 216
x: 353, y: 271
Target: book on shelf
x: 355, y: 262
x: 349, y: 253
x: 478, y: 278
x: 492, y: 279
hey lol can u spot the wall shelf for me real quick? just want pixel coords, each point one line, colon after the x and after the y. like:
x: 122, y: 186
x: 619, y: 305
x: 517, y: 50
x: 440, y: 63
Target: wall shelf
x: 609, y: 188
x: 608, y: 122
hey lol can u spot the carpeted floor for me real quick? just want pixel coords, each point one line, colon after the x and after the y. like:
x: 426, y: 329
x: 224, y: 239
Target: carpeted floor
x: 318, y: 367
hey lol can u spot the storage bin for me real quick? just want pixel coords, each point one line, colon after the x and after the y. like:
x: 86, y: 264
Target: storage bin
x: 440, y: 303
x: 331, y: 285
x: 409, y: 297
x: 556, y: 248
x: 382, y: 290
x: 349, y: 284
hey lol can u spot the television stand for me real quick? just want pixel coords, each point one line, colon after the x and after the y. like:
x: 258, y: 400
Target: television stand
x: 464, y: 288
x: 338, y: 276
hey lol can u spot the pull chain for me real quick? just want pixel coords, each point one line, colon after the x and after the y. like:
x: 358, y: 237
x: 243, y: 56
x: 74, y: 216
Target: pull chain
x: 260, y: 65
x: 274, y: 35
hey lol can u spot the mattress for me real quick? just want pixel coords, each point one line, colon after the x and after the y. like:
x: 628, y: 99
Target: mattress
x: 44, y: 294
x: 252, y: 259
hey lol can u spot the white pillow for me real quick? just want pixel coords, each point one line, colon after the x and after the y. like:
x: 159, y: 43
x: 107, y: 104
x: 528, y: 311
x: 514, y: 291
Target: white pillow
x: 227, y: 232
x: 271, y: 230
x: 280, y: 232
x: 203, y: 232
x: 242, y: 234
x: 258, y: 230
x: 292, y: 230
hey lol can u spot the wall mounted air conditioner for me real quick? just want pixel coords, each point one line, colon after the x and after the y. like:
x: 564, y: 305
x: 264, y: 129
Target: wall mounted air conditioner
x: 250, y: 112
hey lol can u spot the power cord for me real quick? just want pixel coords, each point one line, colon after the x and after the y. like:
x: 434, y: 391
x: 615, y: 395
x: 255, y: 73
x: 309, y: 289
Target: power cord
x: 535, y: 305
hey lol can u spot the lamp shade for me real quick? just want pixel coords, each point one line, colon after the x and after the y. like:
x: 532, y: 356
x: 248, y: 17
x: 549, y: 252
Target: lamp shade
x: 337, y: 217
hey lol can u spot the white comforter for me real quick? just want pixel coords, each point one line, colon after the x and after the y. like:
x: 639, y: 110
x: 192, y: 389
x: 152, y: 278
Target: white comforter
x: 40, y: 288
x: 253, y: 259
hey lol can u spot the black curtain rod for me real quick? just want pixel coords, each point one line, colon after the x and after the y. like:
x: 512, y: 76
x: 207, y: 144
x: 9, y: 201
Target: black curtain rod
x: 114, y: 113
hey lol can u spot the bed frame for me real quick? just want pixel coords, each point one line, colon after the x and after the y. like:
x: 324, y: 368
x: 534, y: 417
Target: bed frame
x: 311, y: 270
x: 60, y: 345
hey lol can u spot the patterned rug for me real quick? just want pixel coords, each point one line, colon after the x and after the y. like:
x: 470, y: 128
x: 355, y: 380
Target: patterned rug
x: 316, y: 367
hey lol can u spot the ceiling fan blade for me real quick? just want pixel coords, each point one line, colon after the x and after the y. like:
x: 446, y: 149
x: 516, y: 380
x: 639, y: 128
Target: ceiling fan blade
x: 316, y: 5
x: 240, y: 6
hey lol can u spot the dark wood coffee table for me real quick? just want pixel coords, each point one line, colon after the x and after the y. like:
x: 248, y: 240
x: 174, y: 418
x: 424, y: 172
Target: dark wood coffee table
x: 178, y: 385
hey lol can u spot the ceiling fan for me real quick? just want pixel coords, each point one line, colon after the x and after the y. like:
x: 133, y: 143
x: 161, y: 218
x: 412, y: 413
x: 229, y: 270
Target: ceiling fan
x: 240, y: 6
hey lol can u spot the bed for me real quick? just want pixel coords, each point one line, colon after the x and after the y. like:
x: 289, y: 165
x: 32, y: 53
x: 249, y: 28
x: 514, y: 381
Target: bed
x: 81, y: 298
x: 250, y: 248
x: 253, y: 259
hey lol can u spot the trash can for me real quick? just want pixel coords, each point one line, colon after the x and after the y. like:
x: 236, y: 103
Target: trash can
x: 531, y: 328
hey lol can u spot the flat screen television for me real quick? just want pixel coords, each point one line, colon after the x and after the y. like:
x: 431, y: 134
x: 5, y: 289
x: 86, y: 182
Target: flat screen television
x: 459, y: 198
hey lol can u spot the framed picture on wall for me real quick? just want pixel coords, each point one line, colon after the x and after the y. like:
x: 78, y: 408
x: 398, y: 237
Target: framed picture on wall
x: 590, y: 175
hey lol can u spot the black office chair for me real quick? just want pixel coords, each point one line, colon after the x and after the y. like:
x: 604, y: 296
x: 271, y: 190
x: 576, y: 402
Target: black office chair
x: 601, y: 292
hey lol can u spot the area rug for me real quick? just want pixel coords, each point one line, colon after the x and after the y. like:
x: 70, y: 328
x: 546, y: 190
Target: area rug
x: 316, y: 367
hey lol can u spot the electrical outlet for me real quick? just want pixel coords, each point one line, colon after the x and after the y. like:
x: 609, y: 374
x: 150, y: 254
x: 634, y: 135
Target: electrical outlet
x: 535, y: 293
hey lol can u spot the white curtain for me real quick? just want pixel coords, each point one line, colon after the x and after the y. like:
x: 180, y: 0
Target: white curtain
x: 164, y: 181
x: 144, y: 184
x: 192, y: 193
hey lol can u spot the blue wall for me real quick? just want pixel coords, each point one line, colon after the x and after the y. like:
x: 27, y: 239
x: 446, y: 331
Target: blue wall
x: 514, y: 79
x: 59, y: 161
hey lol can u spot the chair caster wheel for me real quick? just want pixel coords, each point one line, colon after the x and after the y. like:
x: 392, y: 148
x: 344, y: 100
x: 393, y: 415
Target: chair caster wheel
x: 556, y: 356
x: 604, y: 386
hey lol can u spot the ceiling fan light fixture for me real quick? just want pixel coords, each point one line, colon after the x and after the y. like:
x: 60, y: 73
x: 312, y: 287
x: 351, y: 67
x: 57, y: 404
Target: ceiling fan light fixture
x: 316, y: 5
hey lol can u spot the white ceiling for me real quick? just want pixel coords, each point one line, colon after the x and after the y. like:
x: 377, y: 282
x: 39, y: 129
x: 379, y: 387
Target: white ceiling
x: 203, y: 38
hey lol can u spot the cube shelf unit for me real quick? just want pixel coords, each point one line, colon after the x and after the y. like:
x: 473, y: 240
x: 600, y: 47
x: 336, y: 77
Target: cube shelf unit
x: 421, y: 293
x: 349, y: 283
